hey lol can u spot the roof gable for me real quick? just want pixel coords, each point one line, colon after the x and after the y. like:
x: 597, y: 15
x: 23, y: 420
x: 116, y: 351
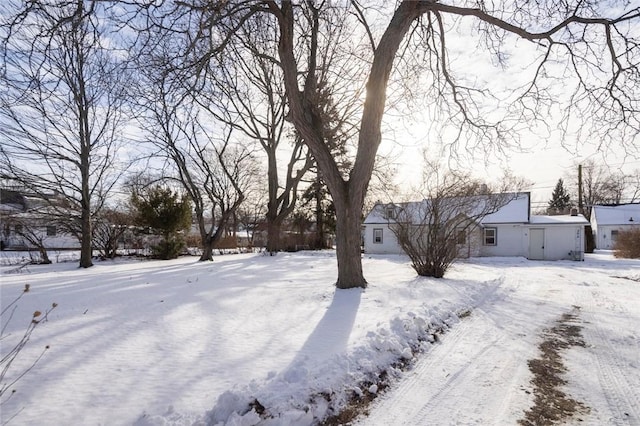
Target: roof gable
x: 623, y: 214
x: 516, y: 210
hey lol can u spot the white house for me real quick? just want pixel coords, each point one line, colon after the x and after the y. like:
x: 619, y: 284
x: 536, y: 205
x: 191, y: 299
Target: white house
x: 607, y: 221
x: 509, y: 231
x: 24, y: 219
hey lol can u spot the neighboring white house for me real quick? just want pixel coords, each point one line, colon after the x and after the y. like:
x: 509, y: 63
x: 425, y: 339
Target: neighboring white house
x: 23, y: 219
x: 510, y: 231
x: 607, y: 221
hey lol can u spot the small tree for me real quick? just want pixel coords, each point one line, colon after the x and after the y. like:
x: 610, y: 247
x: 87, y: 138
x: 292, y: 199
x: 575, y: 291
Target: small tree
x: 560, y: 199
x: 316, y: 201
x: 165, y: 213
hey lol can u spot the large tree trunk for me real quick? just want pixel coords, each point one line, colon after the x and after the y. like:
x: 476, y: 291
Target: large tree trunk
x: 206, y: 238
x: 86, y: 252
x: 44, y: 256
x: 273, y: 218
x: 273, y: 234
x: 348, y: 196
x: 320, y: 242
x: 348, y: 238
x: 85, y: 241
x: 207, y: 249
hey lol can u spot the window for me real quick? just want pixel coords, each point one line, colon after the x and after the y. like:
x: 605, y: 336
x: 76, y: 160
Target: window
x: 614, y: 235
x: 391, y: 212
x: 490, y: 236
x: 377, y: 236
x: 51, y: 231
x: 18, y: 229
x: 461, y: 237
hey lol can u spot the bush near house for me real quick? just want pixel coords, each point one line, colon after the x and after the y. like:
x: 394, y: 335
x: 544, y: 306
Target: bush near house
x: 628, y: 244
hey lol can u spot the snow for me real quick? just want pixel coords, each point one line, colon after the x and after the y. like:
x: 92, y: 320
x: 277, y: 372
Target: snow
x: 184, y: 342
x: 558, y: 220
x: 617, y: 215
x: 516, y: 210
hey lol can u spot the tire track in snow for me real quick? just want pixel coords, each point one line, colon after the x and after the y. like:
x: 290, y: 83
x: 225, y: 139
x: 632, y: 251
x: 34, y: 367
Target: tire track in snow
x: 622, y: 396
x: 476, y: 386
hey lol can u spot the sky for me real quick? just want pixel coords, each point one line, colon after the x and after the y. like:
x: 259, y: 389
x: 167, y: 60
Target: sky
x: 543, y: 167
x: 545, y: 154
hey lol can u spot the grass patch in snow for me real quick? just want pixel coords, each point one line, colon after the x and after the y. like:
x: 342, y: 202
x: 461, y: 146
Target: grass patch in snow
x: 551, y: 404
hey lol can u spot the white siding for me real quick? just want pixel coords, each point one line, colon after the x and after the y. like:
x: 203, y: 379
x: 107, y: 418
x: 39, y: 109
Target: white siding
x: 511, y: 241
x: 564, y: 243
x: 389, y: 244
x: 603, y: 234
x: 605, y: 219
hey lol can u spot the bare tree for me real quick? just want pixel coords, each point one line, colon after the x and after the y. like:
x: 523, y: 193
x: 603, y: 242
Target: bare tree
x: 109, y: 227
x: 600, y: 185
x: 440, y: 229
x: 204, y: 155
x: 246, y: 93
x: 576, y: 47
x: 61, y: 107
x: 251, y: 216
x: 633, y: 193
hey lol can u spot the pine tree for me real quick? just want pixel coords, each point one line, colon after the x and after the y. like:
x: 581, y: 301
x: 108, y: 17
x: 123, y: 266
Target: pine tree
x: 560, y: 199
x: 166, y: 213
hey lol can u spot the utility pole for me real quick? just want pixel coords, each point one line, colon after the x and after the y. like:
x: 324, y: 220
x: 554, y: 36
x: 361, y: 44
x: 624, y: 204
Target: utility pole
x: 580, y: 206
x: 589, y: 242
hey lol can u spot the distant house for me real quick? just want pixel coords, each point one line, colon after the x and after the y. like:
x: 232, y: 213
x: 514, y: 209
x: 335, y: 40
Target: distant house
x: 24, y: 221
x: 509, y: 231
x: 608, y: 220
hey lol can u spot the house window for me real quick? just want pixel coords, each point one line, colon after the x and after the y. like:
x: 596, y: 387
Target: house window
x: 377, y: 236
x: 490, y: 236
x: 51, y: 231
x: 391, y: 212
x: 18, y: 229
x: 614, y: 236
x: 461, y: 237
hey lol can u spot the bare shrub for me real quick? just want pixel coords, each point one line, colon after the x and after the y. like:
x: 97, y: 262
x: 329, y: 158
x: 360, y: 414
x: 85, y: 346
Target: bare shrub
x: 9, y: 377
x: 628, y: 244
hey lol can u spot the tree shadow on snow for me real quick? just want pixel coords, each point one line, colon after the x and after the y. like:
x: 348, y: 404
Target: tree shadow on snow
x: 304, y: 375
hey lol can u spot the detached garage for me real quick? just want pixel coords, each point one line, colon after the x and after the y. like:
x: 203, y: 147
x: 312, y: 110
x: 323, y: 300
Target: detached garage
x: 556, y: 237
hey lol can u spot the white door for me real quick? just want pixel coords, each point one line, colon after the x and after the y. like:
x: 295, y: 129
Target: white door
x: 536, y: 244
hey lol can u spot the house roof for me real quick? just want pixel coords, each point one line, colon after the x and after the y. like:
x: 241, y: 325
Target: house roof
x: 564, y: 219
x: 515, y: 211
x: 616, y: 215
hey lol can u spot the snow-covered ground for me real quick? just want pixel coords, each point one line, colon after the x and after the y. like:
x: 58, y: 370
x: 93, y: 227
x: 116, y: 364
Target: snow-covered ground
x: 184, y: 342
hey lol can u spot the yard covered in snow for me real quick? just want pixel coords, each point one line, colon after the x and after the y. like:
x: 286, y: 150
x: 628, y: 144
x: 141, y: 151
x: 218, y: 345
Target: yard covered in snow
x: 186, y: 342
